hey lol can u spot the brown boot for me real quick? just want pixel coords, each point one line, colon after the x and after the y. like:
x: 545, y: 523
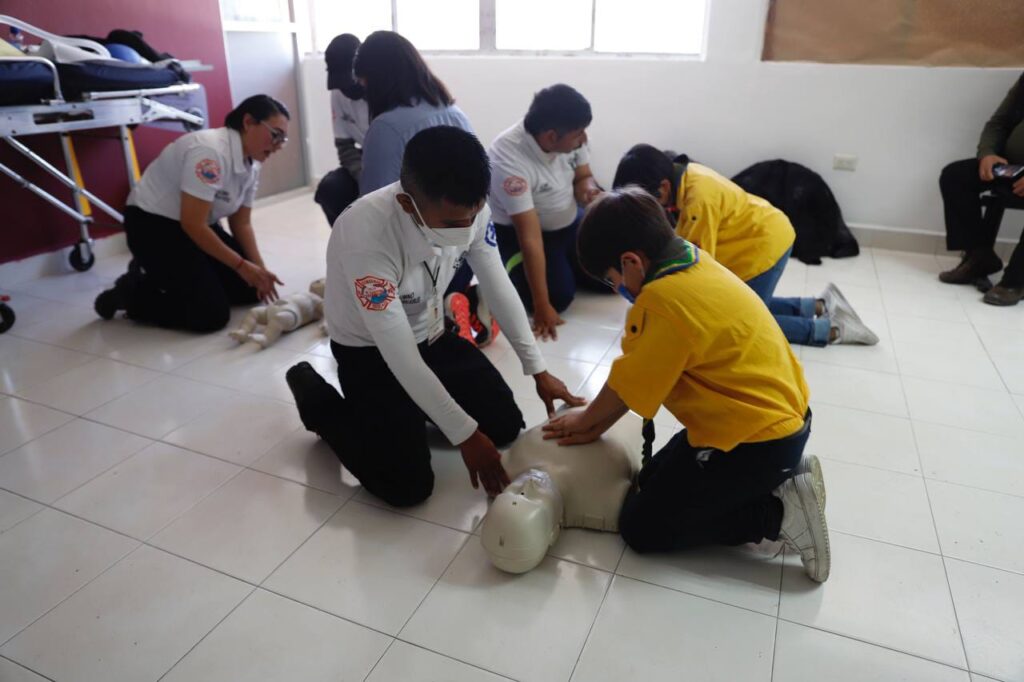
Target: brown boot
x: 975, y: 265
x: 1003, y: 295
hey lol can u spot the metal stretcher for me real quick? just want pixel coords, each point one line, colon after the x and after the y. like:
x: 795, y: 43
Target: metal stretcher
x: 182, y: 104
x: 37, y: 105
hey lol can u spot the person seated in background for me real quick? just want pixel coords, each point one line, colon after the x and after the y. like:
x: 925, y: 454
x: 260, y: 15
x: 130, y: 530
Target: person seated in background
x: 186, y: 271
x: 350, y: 117
x: 389, y: 260
x: 541, y: 179
x: 736, y: 473
x: 747, y: 235
x: 962, y: 182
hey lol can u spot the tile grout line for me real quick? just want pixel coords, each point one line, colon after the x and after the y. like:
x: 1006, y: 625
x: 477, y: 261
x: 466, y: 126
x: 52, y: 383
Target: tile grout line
x: 935, y: 524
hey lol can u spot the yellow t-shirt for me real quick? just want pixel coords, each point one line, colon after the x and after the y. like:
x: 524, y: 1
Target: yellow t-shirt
x: 741, y: 231
x: 702, y: 343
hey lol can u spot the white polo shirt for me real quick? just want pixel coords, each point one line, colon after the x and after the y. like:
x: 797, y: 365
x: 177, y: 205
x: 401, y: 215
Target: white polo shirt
x: 209, y: 165
x: 351, y: 118
x: 382, y: 279
x: 524, y: 176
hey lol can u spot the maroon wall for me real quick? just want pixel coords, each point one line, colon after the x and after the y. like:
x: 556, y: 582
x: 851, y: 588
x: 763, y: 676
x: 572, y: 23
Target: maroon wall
x: 188, y: 29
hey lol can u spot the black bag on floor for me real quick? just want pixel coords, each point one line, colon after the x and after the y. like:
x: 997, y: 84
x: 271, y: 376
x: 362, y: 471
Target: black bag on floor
x: 807, y: 201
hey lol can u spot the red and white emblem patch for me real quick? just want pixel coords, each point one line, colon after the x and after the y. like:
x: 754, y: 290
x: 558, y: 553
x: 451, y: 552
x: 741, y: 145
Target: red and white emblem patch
x: 208, y: 171
x: 515, y: 185
x: 374, y: 293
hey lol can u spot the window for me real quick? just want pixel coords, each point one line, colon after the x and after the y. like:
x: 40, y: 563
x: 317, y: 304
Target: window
x: 543, y: 24
x: 672, y: 27
x: 440, y: 24
x: 660, y: 26
x: 358, y: 17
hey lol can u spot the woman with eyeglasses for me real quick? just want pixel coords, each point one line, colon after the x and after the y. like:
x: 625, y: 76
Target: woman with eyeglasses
x: 186, y: 271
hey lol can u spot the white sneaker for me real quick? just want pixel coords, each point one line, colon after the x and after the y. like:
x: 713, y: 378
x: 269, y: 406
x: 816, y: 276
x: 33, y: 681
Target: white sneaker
x: 804, y: 528
x: 850, y: 329
x: 809, y: 464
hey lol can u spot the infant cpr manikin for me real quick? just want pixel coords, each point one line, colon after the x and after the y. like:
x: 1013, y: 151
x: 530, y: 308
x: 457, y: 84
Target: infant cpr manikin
x: 577, y: 486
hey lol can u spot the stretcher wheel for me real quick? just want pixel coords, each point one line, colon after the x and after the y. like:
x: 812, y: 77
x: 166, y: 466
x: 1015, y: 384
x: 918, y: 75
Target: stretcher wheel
x: 6, y: 317
x: 81, y: 256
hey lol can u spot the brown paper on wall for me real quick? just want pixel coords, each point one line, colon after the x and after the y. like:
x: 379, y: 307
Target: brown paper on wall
x: 921, y: 32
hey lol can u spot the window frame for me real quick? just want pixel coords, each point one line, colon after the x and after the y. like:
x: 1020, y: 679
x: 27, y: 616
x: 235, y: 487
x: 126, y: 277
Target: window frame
x: 488, y: 39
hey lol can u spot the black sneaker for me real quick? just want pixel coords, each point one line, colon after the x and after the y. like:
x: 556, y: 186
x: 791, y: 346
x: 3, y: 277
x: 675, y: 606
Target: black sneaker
x: 973, y: 266
x: 115, y: 299
x: 316, y: 399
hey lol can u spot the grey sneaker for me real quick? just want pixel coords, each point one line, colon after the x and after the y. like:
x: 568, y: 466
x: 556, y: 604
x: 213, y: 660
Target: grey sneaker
x: 850, y: 329
x: 809, y: 464
x: 804, y: 528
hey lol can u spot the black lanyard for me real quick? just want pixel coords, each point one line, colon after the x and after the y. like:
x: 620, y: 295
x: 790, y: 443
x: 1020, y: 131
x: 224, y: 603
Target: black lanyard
x: 433, y: 275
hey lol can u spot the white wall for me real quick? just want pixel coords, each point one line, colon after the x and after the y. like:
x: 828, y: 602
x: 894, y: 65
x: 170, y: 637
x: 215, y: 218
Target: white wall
x: 732, y: 110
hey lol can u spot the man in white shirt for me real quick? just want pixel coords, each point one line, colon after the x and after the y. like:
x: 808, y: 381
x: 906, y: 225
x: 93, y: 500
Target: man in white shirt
x: 390, y: 258
x: 541, y: 179
x: 350, y: 117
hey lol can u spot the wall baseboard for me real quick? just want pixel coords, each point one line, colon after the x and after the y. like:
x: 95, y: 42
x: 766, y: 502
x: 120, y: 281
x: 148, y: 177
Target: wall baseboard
x: 917, y: 241
x: 56, y: 262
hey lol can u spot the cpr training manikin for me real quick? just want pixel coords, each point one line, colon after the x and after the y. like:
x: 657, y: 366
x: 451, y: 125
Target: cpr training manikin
x: 554, y: 487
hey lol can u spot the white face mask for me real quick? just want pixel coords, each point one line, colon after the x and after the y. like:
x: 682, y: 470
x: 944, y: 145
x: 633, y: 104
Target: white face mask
x: 459, y: 237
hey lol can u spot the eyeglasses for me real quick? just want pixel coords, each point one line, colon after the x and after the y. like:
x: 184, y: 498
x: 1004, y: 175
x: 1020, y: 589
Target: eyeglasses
x: 277, y: 137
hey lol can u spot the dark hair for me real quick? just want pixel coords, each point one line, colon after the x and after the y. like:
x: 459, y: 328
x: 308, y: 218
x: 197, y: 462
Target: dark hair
x: 445, y: 162
x: 559, y: 108
x: 260, y: 107
x: 338, y: 58
x: 627, y: 219
x: 645, y: 166
x: 396, y: 75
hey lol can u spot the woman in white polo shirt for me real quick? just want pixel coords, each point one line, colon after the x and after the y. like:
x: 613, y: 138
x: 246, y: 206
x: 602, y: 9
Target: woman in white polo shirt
x: 186, y: 271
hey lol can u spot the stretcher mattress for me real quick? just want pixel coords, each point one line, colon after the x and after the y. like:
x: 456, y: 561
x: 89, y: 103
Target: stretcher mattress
x: 103, y: 75
x: 25, y: 82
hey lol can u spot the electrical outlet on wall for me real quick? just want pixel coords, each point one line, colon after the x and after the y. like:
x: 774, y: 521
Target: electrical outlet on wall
x: 847, y: 162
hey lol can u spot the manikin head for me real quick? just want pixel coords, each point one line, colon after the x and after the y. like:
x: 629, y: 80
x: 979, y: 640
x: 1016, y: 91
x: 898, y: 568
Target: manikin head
x: 523, y: 522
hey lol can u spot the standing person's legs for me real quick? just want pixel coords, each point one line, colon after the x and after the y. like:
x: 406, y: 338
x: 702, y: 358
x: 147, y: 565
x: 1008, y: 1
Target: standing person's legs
x: 796, y: 316
x: 967, y: 229
x: 179, y: 288
x: 689, y: 496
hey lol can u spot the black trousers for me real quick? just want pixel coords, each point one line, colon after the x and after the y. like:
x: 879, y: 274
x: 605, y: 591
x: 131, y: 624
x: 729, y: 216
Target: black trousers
x: 181, y: 286
x: 689, y: 497
x: 966, y: 228
x: 335, y: 192
x: 562, y: 265
x: 380, y: 434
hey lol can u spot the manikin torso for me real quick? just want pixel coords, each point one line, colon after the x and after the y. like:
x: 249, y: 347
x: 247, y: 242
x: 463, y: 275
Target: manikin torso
x: 579, y: 486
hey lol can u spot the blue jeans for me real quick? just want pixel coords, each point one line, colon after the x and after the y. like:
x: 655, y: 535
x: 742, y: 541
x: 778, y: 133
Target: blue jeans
x: 794, y: 315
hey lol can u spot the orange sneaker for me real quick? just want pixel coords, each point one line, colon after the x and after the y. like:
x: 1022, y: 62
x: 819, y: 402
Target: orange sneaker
x: 456, y: 309
x: 484, y: 324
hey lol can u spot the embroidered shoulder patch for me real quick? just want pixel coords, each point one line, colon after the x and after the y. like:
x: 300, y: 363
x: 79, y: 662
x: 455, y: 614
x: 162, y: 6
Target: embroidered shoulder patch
x: 374, y: 293
x: 515, y: 186
x: 208, y: 171
x: 490, y: 236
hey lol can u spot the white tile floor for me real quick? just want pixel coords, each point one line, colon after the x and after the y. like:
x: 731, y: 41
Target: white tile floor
x: 163, y: 515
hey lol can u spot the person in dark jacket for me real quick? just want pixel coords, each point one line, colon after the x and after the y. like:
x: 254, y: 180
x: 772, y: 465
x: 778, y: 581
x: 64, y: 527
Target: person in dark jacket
x: 962, y: 182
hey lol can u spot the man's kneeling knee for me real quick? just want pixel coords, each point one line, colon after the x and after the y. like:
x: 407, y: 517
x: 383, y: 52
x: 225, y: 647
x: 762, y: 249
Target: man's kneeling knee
x: 404, y: 492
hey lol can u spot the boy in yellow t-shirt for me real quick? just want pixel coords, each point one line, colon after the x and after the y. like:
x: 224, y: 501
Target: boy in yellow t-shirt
x: 747, y: 235
x: 701, y: 343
